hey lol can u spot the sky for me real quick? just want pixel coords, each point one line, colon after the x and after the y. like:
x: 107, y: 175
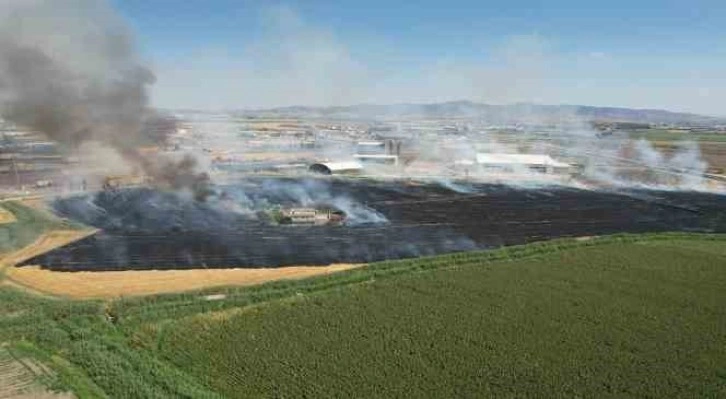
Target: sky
x: 232, y: 54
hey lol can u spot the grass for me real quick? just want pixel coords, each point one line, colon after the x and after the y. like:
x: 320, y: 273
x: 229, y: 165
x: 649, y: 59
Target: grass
x: 87, y: 354
x: 30, y: 224
x: 615, y: 316
x: 675, y: 135
x: 173, y: 306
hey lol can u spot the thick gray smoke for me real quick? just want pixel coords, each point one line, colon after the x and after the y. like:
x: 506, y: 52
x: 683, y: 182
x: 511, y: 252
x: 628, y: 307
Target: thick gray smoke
x: 69, y: 69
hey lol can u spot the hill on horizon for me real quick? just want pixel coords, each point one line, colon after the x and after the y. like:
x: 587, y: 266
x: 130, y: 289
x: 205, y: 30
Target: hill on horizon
x: 520, y: 112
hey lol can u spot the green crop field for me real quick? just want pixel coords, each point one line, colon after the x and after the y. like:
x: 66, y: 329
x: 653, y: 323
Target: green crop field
x: 620, y: 316
x: 675, y: 135
x: 643, y: 320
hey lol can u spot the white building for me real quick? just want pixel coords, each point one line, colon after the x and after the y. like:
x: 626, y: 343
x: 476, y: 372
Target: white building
x: 519, y: 163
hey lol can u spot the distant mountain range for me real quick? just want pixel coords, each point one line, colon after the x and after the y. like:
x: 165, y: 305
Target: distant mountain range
x: 513, y: 113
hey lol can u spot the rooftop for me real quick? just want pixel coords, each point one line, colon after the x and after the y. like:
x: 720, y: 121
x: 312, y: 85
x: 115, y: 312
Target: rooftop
x: 519, y: 159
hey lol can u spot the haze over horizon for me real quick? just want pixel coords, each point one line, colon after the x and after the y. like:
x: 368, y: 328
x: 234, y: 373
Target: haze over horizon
x: 222, y: 54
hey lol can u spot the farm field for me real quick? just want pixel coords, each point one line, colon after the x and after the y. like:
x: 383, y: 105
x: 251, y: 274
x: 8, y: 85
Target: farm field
x: 677, y: 135
x: 31, y: 231
x: 146, y: 229
x: 713, y: 153
x: 621, y: 316
x: 113, y: 284
x: 19, y: 378
x: 619, y: 320
x: 37, y: 231
x: 711, y: 144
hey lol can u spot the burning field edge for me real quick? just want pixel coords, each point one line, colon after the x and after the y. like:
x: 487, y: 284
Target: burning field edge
x: 274, y: 222
x: 111, y: 284
x: 205, y: 284
x: 45, y: 243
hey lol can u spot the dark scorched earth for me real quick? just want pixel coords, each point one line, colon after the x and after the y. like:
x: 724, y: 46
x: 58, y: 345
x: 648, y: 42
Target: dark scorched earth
x: 146, y: 229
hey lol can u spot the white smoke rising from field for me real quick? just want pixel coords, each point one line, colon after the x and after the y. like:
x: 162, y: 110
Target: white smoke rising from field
x: 684, y: 169
x: 304, y: 193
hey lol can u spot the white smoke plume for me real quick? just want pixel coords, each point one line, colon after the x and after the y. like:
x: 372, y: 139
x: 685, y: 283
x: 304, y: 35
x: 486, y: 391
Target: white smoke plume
x: 308, y: 193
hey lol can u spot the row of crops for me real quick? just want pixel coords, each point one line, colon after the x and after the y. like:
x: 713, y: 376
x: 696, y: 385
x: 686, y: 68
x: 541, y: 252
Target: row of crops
x: 621, y: 320
x: 171, y: 306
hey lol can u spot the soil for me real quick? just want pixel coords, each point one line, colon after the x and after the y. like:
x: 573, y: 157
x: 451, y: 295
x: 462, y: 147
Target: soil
x: 18, y: 379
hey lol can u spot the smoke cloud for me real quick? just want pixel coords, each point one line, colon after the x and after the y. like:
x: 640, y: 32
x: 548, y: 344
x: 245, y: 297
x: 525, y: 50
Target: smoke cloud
x: 73, y: 73
x: 70, y: 70
x: 638, y: 163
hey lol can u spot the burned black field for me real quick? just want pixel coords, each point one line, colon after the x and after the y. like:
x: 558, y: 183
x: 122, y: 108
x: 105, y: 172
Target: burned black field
x: 147, y: 229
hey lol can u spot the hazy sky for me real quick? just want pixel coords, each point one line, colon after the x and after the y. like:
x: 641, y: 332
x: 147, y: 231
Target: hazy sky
x: 244, y: 54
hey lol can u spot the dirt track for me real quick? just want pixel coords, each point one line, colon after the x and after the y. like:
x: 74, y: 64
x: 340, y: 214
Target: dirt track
x: 18, y: 379
x: 83, y: 285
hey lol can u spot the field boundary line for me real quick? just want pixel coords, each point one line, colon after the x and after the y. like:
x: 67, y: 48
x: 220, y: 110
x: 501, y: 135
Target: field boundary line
x: 44, y: 243
x: 8, y: 281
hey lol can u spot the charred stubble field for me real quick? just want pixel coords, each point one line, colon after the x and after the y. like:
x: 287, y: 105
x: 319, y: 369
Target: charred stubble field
x: 145, y: 229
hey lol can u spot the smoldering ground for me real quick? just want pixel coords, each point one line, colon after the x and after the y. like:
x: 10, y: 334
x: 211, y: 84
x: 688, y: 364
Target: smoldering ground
x: 150, y: 229
x: 142, y: 227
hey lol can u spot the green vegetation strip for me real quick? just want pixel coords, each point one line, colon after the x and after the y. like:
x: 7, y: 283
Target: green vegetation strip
x: 30, y: 224
x: 613, y: 316
x: 675, y: 135
x: 89, y: 354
